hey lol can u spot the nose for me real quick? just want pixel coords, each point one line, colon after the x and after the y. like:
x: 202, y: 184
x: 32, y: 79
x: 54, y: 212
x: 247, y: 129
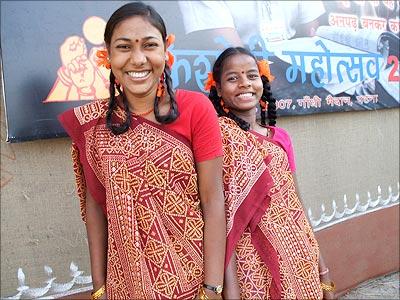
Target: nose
x: 137, y: 57
x: 244, y: 81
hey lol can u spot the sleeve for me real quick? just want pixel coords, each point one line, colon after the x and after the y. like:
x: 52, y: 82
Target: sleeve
x: 309, y: 11
x: 71, y: 126
x: 85, y: 177
x: 205, y: 130
x: 201, y: 15
x: 282, y: 137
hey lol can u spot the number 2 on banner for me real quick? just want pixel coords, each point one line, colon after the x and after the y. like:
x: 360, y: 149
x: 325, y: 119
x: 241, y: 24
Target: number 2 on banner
x: 395, y: 61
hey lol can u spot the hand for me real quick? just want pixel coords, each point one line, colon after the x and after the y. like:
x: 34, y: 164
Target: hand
x: 210, y: 294
x: 328, y: 295
x: 327, y: 279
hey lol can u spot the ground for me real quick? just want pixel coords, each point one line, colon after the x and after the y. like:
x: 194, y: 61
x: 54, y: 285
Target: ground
x: 385, y: 287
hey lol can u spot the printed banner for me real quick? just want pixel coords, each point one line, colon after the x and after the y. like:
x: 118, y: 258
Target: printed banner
x: 326, y: 56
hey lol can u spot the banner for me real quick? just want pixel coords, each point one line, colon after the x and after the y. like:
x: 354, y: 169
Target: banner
x: 326, y: 56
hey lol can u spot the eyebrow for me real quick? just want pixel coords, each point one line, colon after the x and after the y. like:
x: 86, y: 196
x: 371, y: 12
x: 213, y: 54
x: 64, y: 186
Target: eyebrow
x: 235, y: 72
x: 146, y: 38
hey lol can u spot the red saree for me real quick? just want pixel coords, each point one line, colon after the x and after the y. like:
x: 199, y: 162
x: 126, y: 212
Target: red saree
x: 276, y: 251
x: 146, y: 181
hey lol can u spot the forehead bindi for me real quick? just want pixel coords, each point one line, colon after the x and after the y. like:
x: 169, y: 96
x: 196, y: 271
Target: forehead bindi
x: 239, y: 63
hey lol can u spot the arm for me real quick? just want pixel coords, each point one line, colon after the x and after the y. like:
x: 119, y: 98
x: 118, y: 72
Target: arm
x: 96, y: 227
x: 322, y: 266
x: 231, y: 284
x: 212, y: 203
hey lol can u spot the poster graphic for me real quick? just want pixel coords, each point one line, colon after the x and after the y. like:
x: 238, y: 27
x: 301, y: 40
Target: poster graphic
x: 326, y: 56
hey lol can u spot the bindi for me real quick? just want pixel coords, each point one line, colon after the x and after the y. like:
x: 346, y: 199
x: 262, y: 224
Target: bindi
x: 137, y: 41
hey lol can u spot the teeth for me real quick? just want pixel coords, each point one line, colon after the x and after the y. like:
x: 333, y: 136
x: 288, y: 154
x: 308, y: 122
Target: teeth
x: 138, y: 74
x: 245, y: 95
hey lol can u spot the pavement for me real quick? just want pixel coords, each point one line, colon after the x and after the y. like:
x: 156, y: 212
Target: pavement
x: 384, y: 287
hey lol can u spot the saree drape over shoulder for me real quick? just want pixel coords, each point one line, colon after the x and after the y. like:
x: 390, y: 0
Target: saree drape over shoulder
x: 276, y: 251
x: 145, y: 179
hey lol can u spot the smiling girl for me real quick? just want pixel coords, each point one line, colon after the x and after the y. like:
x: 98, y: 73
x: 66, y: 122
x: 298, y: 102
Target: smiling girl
x: 271, y: 249
x: 148, y: 164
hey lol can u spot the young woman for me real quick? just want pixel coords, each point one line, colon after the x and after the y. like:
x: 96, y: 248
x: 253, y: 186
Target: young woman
x: 271, y: 250
x: 148, y: 163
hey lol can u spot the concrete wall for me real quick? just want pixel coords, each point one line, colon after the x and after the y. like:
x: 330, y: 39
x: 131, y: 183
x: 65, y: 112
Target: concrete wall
x: 336, y: 154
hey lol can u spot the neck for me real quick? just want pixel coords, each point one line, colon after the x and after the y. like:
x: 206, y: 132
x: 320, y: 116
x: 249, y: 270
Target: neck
x: 138, y: 105
x: 249, y: 116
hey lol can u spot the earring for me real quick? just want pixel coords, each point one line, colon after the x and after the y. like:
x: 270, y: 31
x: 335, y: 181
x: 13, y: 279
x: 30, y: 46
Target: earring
x: 161, y: 87
x: 222, y: 103
x: 264, y: 105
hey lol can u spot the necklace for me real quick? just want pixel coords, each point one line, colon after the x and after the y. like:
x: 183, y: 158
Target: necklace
x: 144, y: 114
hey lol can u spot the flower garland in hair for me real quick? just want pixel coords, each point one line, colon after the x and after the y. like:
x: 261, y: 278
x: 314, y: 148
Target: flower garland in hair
x: 102, y: 59
x: 170, y: 40
x: 210, y: 82
x: 263, y: 68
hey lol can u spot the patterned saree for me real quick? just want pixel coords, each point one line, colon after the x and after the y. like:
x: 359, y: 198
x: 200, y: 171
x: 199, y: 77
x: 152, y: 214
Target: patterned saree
x: 276, y: 251
x: 146, y: 181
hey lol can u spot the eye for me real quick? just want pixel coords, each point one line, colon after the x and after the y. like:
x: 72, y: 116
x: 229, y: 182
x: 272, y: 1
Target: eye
x: 232, y: 78
x: 151, y: 45
x: 253, y: 76
x: 123, y: 47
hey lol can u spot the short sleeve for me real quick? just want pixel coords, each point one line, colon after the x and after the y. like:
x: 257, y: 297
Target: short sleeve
x: 86, y: 179
x: 79, y: 180
x: 202, y: 15
x: 283, y: 139
x: 205, y: 130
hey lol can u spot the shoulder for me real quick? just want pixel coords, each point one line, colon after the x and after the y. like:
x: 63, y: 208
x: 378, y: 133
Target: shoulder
x: 191, y: 100
x: 186, y: 95
x: 76, y: 119
x: 282, y: 137
x: 91, y: 111
x: 227, y: 122
x: 279, y: 133
x: 230, y: 129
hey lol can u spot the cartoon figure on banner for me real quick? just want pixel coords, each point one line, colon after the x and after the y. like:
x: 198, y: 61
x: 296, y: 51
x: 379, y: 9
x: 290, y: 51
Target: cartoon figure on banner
x: 79, y: 78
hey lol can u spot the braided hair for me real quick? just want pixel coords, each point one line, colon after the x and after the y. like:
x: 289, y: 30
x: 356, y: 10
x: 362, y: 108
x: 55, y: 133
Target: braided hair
x: 150, y: 14
x: 266, y: 97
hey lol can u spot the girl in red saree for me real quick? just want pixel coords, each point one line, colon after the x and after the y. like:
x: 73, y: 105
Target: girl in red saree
x: 271, y: 249
x: 148, y: 164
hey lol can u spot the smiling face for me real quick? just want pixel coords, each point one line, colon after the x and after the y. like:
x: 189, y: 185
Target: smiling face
x: 240, y: 85
x: 137, y: 57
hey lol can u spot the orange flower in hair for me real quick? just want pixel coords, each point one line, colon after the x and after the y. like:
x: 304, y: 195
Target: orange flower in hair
x: 210, y: 82
x: 170, y: 40
x: 171, y: 59
x: 102, y: 58
x: 263, y: 68
x: 264, y: 105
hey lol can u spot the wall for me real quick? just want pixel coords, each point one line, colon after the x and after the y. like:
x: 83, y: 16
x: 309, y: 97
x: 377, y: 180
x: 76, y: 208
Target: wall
x: 336, y: 154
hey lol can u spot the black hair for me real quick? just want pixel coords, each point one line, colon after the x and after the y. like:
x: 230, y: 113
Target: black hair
x: 266, y: 97
x: 151, y: 15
